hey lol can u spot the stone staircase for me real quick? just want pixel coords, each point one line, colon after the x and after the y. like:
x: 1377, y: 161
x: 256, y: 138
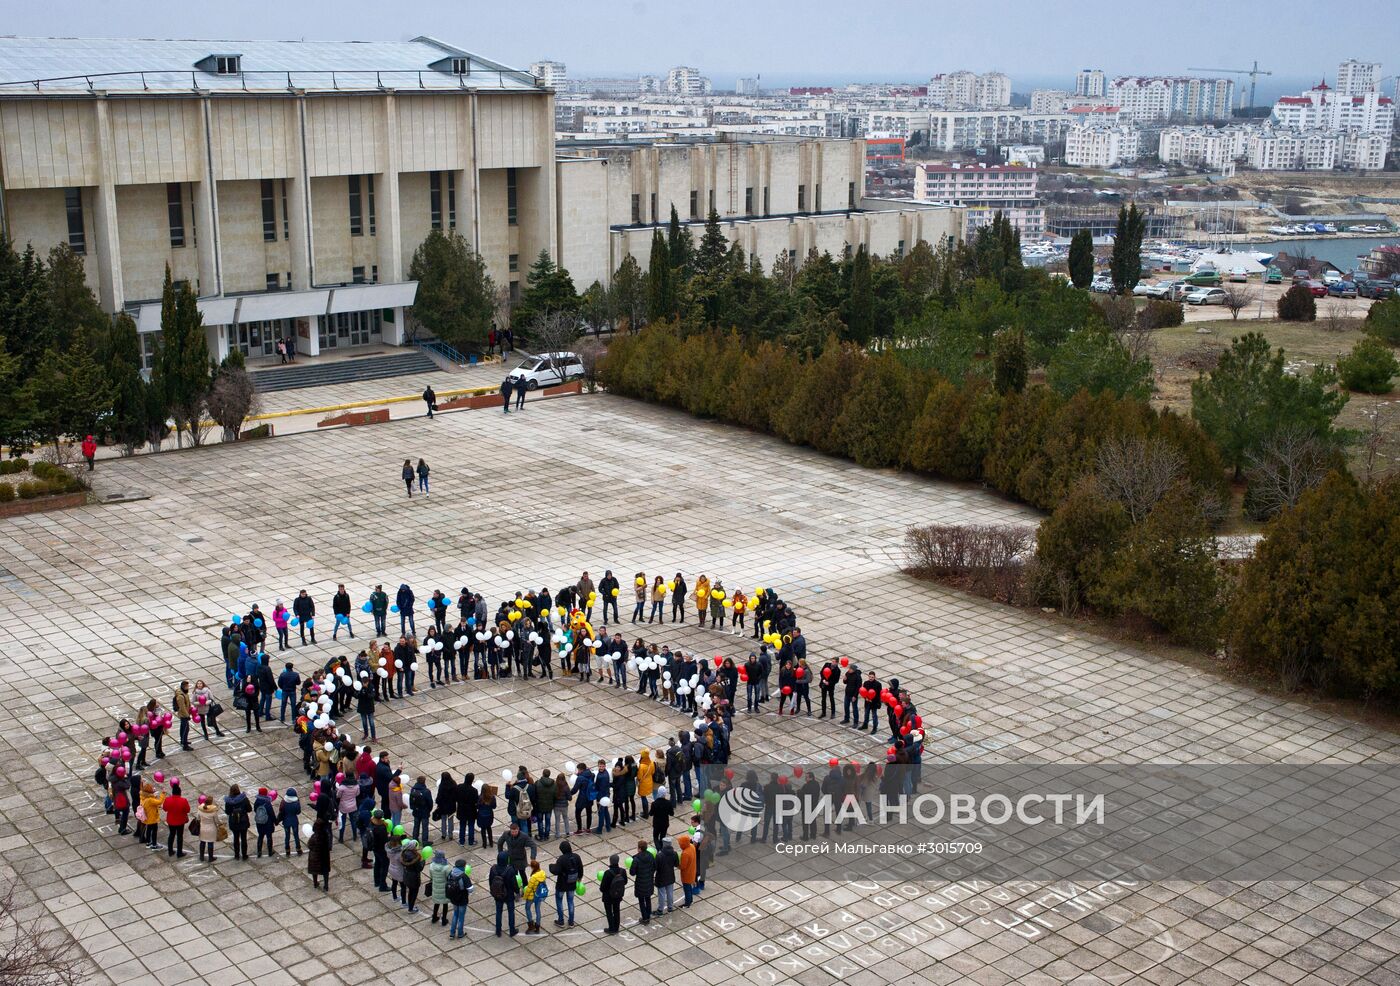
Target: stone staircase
x: 311, y: 373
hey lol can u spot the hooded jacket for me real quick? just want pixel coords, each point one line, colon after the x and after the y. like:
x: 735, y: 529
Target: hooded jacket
x: 544, y: 795
x: 459, y: 877
x: 568, y: 868
x: 437, y: 876
x: 508, y: 874
x: 318, y: 849
x: 516, y: 846
x: 644, y: 874
x: 404, y: 600
x: 645, y: 771
x: 446, y: 800
x: 614, y: 881
x: 667, y: 862
x: 688, y: 859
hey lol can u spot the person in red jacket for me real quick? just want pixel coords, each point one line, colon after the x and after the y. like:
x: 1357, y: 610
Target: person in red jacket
x: 89, y: 451
x: 177, y: 813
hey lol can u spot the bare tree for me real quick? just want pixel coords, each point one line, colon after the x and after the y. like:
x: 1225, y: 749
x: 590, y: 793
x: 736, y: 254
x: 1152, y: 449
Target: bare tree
x: 1287, y: 464
x: 1138, y: 472
x: 1238, y: 298
x: 1373, y: 439
x: 553, y: 332
x: 231, y: 400
x: 1335, y: 315
x: 1119, y: 312
x: 198, y: 424
x: 590, y: 351
x: 32, y: 953
x: 502, y: 306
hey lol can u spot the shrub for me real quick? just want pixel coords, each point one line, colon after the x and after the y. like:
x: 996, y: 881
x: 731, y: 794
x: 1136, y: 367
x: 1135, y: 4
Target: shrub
x: 1297, y: 305
x: 28, y: 489
x: 263, y: 430
x: 1161, y: 314
x: 1368, y: 367
x: 6, y: 467
x: 874, y: 424
x: 1076, y: 543
x: 7, y: 492
x: 990, y: 555
x: 1383, y: 320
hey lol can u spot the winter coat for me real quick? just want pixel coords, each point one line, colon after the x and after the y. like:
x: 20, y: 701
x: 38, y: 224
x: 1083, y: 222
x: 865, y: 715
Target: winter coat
x: 583, y: 789
x: 395, y: 862
x: 379, y: 602
x: 347, y: 797
x: 208, y: 816
x: 290, y: 810
x: 265, y: 802
x: 150, y: 805
x: 420, y: 801
x: 239, y: 811
x: 509, y: 874
x: 404, y: 599
x: 645, y: 771
x: 688, y: 859
x: 446, y: 800
x: 412, y: 856
x: 544, y: 795
x: 318, y: 852
x: 536, y: 887
x: 396, y: 800
x: 177, y: 810
x: 437, y: 876
x: 568, y: 868
x: 643, y: 875
x: 467, y: 798
x: 667, y: 862
x: 661, y: 811
x: 517, y: 846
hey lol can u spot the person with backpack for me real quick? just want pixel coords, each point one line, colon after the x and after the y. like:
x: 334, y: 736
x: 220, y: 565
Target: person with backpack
x: 420, y: 804
x: 522, y: 804
x: 288, y: 815
x: 265, y: 818
x: 445, y: 810
x: 318, y: 861
x: 667, y: 863
x: 544, y: 804
x: 437, y: 884
x: 412, y: 857
x: 536, y: 890
x: 423, y: 478
x: 459, y: 889
x: 505, y: 883
x: 661, y: 811
x: 568, y: 871
x: 643, y: 869
x: 614, y: 889
x: 239, y: 811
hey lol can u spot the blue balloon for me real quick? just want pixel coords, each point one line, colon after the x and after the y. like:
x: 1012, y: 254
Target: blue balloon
x: 258, y: 623
x: 394, y: 608
x: 295, y: 621
x: 471, y: 621
x: 310, y: 623
x: 236, y: 619
x: 368, y: 607
x: 277, y: 694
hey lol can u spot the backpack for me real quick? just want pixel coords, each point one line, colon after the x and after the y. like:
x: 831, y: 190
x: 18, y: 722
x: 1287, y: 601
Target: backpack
x: 419, y: 801
x: 262, y: 816
x: 498, y: 883
x: 524, y: 808
x: 456, y: 886
x: 615, y: 890
x: 683, y: 757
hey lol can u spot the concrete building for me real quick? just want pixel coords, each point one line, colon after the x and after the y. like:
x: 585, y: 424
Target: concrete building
x: 1210, y: 147
x: 982, y: 191
x: 1050, y: 100
x: 1147, y: 98
x: 288, y: 182
x: 1291, y: 151
x: 968, y: 89
x: 773, y: 196
x: 684, y: 80
x: 553, y: 75
x: 746, y: 87
x: 1356, y: 78
x: 1324, y: 108
x: 1090, y: 83
x: 1102, y: 146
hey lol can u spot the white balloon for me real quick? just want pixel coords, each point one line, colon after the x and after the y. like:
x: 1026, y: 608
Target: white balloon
x: 413, y: 666
x: 330, y: 747
x: 306, y: 830
x: 605, y: 802
x: 506, y: 775
x: 699, y: 723
x: 358, y: 686
x: 510, y: 634
x: 439, y: 646
x: 383, y: 661
x: 632, y: 665
x: 459, y: 643
x: 477, y: 785
x: 565, y: 648
x: 666, y: 676
x: 383, y: 673
x: 330, y: 688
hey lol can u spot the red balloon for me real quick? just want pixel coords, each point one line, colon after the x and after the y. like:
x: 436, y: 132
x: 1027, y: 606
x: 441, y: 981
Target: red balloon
x: 886, y: 697
x: 918, y: 721
x: 797, y: 772
x: 729, y: 775
x: 833, y: 762
x: 743, y: 675
x: 787, y: 689
x: 718, y: 660
x: 249, y: 689
x: 898, y: 710
x: 845, y: 662
x: 905, y: 729
x: 782, y: 778
x: 826, y: 673
x: 801, y: 673
x: 891, y: 751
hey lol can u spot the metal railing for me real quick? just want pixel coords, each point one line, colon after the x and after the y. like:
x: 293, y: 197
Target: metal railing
x: 443, y: 350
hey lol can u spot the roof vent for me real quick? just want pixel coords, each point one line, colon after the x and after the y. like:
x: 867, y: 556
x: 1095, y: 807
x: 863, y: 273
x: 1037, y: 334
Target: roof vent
x: 220, y: 64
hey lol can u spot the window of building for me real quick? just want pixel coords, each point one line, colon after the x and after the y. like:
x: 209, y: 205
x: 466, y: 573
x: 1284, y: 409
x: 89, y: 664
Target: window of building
x: 765, y: 200
x: 369, y: 196
x: 712, y: 201
x: 274, y: 282
x: 227, y: 64
x: 512, y: 199
x: 514, y: 292
x: 850, y: 195
x: 357, y: 227
x: 349, y: 328
x: 374, y: 273
x: 653, y: 207
x: 801, y: 198
x: 269, y: 211
x: 73, y: 204
x: 435, y: 199
x: 451, y: 199
x: 460, y: 66
x: 286, y: 221
x: 150, y: 347
x: 514, y: 263
x: 817, y: 198
x: 636, y: 209
x: 175, y: 209
x: 357, y: 275
x: 899, y: 250
x: 694, y: 204
x: 748, y: 201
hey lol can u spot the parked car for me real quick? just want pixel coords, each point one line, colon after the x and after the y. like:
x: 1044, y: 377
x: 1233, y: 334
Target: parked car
x: 1101, y: 284
x: 1342, y: 289
x: 1143, y: 290
x: 547, y: 370
x: 1206, y: 296
x: 1273, y: 275
x: 1375, y: 289
x: 1238, y: 274
x: 1302, y: 275
x: 1318, y: 289
x: 1162, y: 289
x: 1204, y: 279
x: 1331, y: 276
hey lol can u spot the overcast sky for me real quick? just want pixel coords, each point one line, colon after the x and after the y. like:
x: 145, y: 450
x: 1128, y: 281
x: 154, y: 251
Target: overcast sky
x: 1034, y: 41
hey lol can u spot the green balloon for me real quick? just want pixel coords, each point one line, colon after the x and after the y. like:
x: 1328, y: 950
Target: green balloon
x: 582, y: 889
x: 712, y: 797
x: 600, y: 875
x: 627, y: 862
x: 652, y: 850
x: 697, y: 804
x: 467, y: 869
x: 692, y: 830
x: 427, y: 854
x: 398, y: 830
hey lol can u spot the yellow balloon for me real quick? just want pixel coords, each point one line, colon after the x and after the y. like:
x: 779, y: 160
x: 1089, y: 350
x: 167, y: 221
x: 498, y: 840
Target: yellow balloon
x: 563, y: 612
x: 514, y: 617
x: 753, y: 604
x: 728, y: 604
x: 641, y: 581
x: 758, y: 591
x: 591, y: 597
x: 670, y: 587
x: 525, y: 604
x: 614, y: 592
x: 719, y: 594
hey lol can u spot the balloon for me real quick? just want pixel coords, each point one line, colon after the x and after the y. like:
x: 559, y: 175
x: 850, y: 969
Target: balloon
x: 467, y: 869
x: 514, y: 616
x: 330, y: 688
x: 248, y: 689
x: 782, y: 779
x: 294, y: 621
x: 801, y: 673
x: 670, y: 587
x: 600, y: 875
x: 236, y: 619
x: 891, y: 751
x: 258, y: 623
x: 329, y: 746
x: 580, y: 889
x: 159, y: 777
x: 398, y: 830
x: 718, y: 660
x: 787, y: 689
x: 277, y: 694
x: 394, y: 608
x: 641, y: 581
x: 826, y: 673
x: 104, y: 760
x: 306, y: 830
x: 367, y: 608
x: 697, y: 804
x: 506, y: 775
x: 413, y: 666
x: 427, y: 854
x: 358, y: 686
x: 845, y: 662
x: 614, y: 593
x: 121, y: 771
x: 797, y: 772
x: 729, y: 775
x: 340, y: 777
x: 203, y: 799
x: 471, y: 621
x: 383, y: 673
x: 310, y: 623
x: 605, y: 802
x: 728, y: 604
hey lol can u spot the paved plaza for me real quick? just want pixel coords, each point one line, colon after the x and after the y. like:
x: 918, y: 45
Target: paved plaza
x: 103, y: 606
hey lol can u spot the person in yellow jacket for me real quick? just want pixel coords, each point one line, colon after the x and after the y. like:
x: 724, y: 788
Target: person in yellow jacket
x: 151, y: 800
x: 736, y: 612
x: 535, y: 894
x: 702, y: 597
x: 646, y: 773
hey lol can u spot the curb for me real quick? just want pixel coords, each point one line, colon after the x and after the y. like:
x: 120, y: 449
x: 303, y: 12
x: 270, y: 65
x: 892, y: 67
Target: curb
x: 381, y: 402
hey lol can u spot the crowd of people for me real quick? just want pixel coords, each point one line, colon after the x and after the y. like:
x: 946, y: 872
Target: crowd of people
x: 357, y: 794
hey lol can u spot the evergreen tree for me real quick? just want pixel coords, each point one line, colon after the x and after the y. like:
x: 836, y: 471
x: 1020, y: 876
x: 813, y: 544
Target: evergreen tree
x: 128, y: 420
x: 709, y: 258
x: 1081, y: 258
x: 629, y: 294
x: 1009, y: 362
x: 549, y: 289
x: 860, y: 305
x: 76, y: 317
x: 596, y: 307
x: 25, y: 321
x: 661, y: 290
x: 68, y: 393
x: 456, y: 297
x: 183, y: 357
x: 1125, y: 265
x: 679, y: 245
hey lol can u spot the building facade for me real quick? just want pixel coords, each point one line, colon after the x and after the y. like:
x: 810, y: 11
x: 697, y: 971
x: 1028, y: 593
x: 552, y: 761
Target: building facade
x: 288, y: 182
x: 1090, y: 83
x: 1102, y: 146
x: 1324, y: 108
x: 968, y: 89
x: 1209, y: 147
x: 982, y: 191
x: 1356, y: 78
x: 1147, y: 98
x: 553, y: 75
x: 683, y: 80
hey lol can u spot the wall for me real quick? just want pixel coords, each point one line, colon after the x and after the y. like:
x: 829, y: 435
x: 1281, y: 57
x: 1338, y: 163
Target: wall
x: 246, y: 258
x: 583, y: 220
x: 144, y: 219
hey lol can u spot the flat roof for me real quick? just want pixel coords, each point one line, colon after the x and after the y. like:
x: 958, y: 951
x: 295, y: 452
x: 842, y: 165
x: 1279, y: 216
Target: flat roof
x: 68, y: 66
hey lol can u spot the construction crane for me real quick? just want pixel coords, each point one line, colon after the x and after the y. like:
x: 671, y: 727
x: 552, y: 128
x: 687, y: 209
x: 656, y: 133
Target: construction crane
x: 1253, y: 74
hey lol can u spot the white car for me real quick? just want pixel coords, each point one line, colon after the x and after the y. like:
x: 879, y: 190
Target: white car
x: 1101, y: 285
x: 1238, y: 274
x: 1206, y: 296
x: 547, y: 370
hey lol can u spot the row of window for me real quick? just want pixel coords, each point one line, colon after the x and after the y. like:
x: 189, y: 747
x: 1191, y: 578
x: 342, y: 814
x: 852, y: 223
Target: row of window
x: 748, y: 202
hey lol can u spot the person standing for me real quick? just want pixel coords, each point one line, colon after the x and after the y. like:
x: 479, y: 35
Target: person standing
x: 678, y: 590
x: 318, y: 859
x: 407, y: 474
x: 568, y: 871
x: 609, y: 588
x: 872, y: 703
x: 289, y: 682
x: 280, y: 616
x: 437, y: 885
x: 536, y: 890
x: 412, y: 873
x: 423, y: 478
x: 404, y: 601
x: 177, y: 813
x: 89, y: 451
x: 644, y: 878
x: 507, y: 387
x: 265, y: 818
x: 445, y: 807
x: 505, y: 883
x: 183, y: 713
x: 430, y: 399
x: 640, y: 592
x: 340, y: 608
x: 459, y: 889
x: 288, y: 816
x: 667, y: 862
x: 520, y: 389
x: 586, y: 593
x: 379, y: 608
x: 830, y: 677
x: 238, y: 810
x: 208, y: 819
x: 614, y: 889
x: 364, y: 699
x: 851, y: 706
x: 304, y: 609
x: 658, y: 601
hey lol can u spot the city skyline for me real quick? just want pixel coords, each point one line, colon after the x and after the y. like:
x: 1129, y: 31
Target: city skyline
x: 1036, y: 44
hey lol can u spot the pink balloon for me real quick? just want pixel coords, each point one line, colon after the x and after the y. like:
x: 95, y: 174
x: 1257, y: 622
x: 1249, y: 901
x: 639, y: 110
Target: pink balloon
x: 248, y: 689
x: 106, y: 761
x: 313, y: 797
x: 197, y: 718
x: 204, y: 700
x: 121, y: 737
x: 203, y: 799
x: 159, y: 777
x: 126, y: 753
x: 121, y: 771
x: 174, y: 780
x: 340, y: 777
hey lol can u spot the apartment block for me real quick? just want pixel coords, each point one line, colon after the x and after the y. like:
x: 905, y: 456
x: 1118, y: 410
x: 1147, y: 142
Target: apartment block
x: 1101, y: 146
x: 982, y: 191
x: 1148, y: 98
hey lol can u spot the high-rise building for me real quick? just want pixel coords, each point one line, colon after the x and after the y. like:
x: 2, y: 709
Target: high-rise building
x: 746, y: 87
x: 1090, y: 82
x: 683, y: 80
x: 552, y: 74
x: 1357, y: 78
x: 1324, y: 108
x: 1148, y: 98
x: 1102, y: 146
x: 984, y: 190
x: 953, y: 90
